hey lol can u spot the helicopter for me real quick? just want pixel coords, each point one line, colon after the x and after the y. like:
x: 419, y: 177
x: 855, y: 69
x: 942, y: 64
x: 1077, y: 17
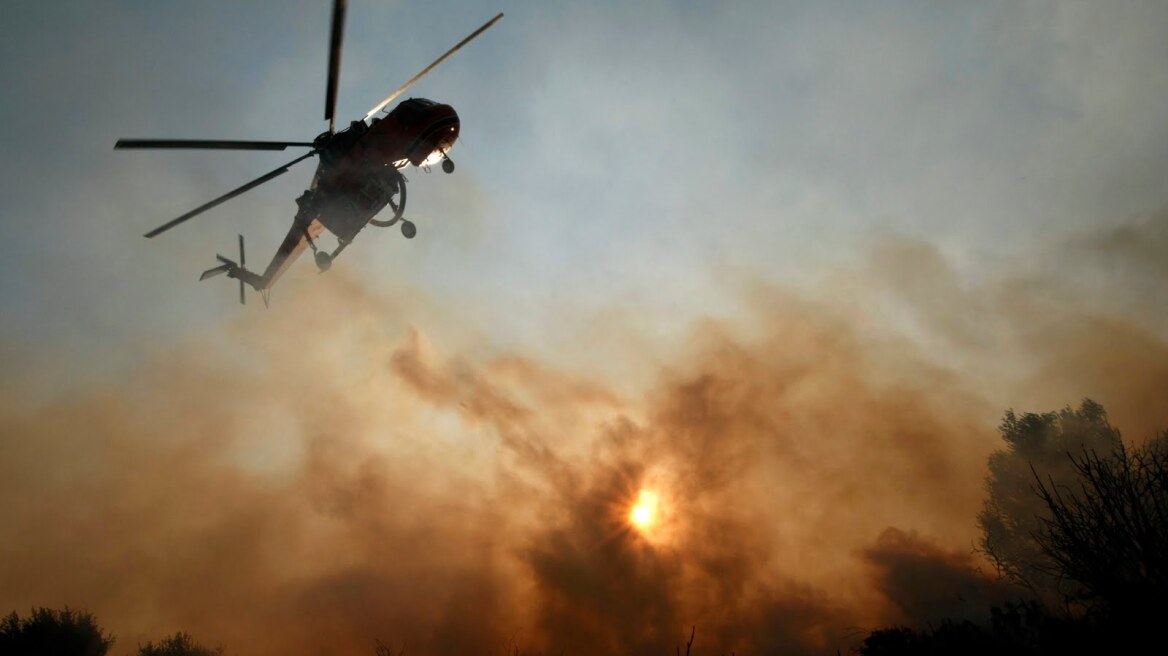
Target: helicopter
x: 358, y: 173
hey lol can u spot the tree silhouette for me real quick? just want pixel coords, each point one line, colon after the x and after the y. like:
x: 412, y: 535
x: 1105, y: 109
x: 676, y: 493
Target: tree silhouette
x: 180, y: 644
x: 1013, y: 514
x: 1072, y: 510
x: 53, y: 632
x: 1109, y: 532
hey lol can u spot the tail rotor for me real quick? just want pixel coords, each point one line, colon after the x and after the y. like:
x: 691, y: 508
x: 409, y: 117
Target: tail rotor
x: 239, y: 272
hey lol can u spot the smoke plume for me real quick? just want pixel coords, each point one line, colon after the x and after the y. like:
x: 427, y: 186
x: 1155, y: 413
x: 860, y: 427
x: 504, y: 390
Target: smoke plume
x: 327, y: 473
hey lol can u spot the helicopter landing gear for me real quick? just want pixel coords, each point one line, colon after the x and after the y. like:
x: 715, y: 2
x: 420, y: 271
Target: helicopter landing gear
x: 394, y: 187
x: 323, y: 260
x: 409, y: 229
x: 447, y: 165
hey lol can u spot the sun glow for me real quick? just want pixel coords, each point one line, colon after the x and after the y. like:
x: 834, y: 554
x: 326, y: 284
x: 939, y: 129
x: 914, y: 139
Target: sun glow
x: 644, y: 513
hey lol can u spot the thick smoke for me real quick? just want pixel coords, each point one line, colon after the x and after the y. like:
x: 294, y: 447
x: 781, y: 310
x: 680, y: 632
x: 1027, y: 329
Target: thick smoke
x: 324, y: 474
x: 930, y: 584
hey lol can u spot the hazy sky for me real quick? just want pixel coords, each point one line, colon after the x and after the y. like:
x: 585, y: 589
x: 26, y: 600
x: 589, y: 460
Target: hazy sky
x: 785, y: 262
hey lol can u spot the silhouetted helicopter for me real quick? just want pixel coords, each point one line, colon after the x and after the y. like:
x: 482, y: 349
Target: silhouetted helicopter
x: 357, y: 176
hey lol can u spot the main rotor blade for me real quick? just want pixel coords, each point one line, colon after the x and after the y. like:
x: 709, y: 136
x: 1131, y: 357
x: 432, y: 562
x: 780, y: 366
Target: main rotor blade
x: 441, y: 59
x: 334, y: 70
x: 124, y: 144
x: 228, y: 196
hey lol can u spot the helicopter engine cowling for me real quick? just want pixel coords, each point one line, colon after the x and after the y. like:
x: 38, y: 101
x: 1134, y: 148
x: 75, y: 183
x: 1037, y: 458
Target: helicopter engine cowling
x: 418, y: 131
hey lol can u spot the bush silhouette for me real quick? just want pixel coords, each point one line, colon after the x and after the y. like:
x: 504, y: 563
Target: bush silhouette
x: 47, y: 632
x: 180, y: 644
x: 1025, y: 628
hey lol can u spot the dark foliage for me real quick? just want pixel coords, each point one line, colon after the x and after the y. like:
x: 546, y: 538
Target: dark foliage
x: 1070, y: 511
x: 1015, y: 629
x: 1013, y: 514
x: 47, y: 632
x: 180, y: 644
x: 1109, y: 532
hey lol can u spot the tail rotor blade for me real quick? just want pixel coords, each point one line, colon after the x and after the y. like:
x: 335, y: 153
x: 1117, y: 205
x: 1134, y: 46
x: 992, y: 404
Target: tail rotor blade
x: 242, y: 262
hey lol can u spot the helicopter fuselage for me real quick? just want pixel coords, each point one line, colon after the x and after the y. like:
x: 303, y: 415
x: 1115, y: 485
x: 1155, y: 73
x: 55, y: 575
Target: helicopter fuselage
x: 359, y: 167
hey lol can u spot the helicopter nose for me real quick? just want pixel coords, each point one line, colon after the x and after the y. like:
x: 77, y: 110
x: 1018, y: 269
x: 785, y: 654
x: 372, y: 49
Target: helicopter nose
x: 448, y: 135
x: 439, y: 137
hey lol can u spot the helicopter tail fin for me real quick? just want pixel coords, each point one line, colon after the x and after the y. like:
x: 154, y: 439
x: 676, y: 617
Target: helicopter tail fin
x: 221, y: 269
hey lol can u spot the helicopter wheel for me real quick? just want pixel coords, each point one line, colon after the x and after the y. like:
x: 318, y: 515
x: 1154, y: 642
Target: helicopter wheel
x: 323, y: 261
x: 398, y: 207
x: 448, y: 165
x: 409, y: 229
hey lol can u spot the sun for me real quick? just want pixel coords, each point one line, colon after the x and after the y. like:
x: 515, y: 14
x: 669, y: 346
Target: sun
x: 643, y: 514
